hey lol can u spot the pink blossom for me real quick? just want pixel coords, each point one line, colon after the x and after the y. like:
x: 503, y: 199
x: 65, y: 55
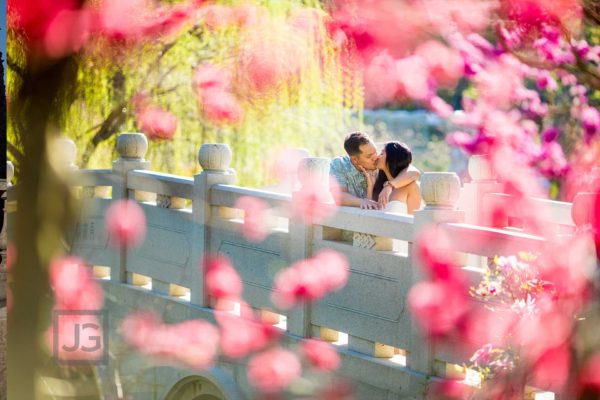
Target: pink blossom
x: 220, y: 107
x: 242, y: 335
x: 209, y: 76
x: 334, y: 268
x: 438, y: 306
x: 590, y: 120
x: 221, y: 279
x: 273, y: 370
x: 445, y: 65
x: 414, y: 82
x: 473, y: 144
x: 192, y: 343
x: 440, y: 107
x: 315, y: 201
x: 546, y: 82
x: 125, y: 223
x: 551, y: 369
x: 255, y: 228
x: 589, y: 379
x: 74, y: 287
x: 551, y: 160
x: 246, y: 15
x: 283, y: 165
x: 435, y: 252
x: 310, y: 279
x: 381, y: 80
x: 157, y: 123
x: 52, y: 29
x: 216, y: 16
x: 196, y: 343
x: 138, y: 328
x: 115, y: 22
x: 320, y: 354
x: 265, y: 62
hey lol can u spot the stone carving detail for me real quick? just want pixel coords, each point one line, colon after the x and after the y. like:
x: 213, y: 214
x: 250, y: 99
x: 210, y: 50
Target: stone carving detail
x: 214, y: 157
x: 480, y: 168
x: 363, y: 240
x: 66, y: 152
x: 132, y: 145
x: 163, y: 201
x: 440, y: 189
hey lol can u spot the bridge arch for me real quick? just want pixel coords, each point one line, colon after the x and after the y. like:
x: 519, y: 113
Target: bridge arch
x: 198, y: 387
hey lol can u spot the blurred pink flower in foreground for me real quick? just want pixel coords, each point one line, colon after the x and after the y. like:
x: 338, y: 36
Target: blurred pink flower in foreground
x: 221, y: 279
x: 255, y: 228
x: 74, y: 286
x: 315, y: 201
x: 156, y: 123
x: 209, y: 76
x: 589, y: 380
x: 125, y: 223
x: 320, y: 354
x: 242, y: 335
x: 310, y: 279
x: 220, y: 107
x: 445, y: 65
x: 381, y: 80
x: 273, y: 370
x: 192, y: 343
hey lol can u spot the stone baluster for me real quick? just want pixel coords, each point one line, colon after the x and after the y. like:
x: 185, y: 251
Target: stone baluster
x: 132, y: 148
x: 289, y: 181
x: 483, y: 181
x: 440, y: 191
x: 214, y: 158
x: 311, y: 171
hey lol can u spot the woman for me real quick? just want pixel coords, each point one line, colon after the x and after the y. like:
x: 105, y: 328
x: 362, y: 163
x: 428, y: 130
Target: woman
x: 394, y: 158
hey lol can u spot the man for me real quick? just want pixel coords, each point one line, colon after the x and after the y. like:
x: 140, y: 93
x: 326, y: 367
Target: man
x: 362, y: 155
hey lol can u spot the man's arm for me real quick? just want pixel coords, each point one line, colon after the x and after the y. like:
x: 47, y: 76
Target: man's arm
x: 347, y: 199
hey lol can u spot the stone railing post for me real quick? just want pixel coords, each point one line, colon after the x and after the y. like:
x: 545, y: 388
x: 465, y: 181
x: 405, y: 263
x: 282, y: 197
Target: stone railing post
x: 132, y: 148
x: 483, y: 181
x: 214, y: 158
x: 440, y: 191
x: 311, y: 171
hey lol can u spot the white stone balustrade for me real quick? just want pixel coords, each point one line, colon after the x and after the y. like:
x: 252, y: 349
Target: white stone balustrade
x: 371, y: 309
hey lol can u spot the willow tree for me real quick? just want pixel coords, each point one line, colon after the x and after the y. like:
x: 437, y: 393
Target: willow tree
x: 301, y: 96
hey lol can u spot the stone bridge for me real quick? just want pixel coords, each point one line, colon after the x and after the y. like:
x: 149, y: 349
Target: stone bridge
x: 368, y: 321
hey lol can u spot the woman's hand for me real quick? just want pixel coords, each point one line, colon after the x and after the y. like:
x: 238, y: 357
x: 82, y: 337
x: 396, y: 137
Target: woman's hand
x: 370, y: 176
x: 384, y: 196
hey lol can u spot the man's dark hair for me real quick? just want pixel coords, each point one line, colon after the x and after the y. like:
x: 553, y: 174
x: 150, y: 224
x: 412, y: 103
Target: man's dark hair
x: 354, y: 140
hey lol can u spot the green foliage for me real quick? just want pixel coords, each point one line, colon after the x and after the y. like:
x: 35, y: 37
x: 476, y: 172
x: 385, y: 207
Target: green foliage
x: 312, y: 111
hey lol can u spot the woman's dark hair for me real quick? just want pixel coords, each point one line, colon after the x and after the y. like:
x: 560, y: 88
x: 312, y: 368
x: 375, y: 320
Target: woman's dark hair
x: 397, y: 158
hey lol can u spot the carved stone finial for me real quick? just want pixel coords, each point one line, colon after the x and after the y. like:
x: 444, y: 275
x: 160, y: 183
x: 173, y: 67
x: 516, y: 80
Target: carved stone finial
x: 214, y: 157
x: 132, y: 145
x: 440, y: 189
x: 480, y: 168
x: 66, y: 152
x: 10, y: 172
x: 313, y: 170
